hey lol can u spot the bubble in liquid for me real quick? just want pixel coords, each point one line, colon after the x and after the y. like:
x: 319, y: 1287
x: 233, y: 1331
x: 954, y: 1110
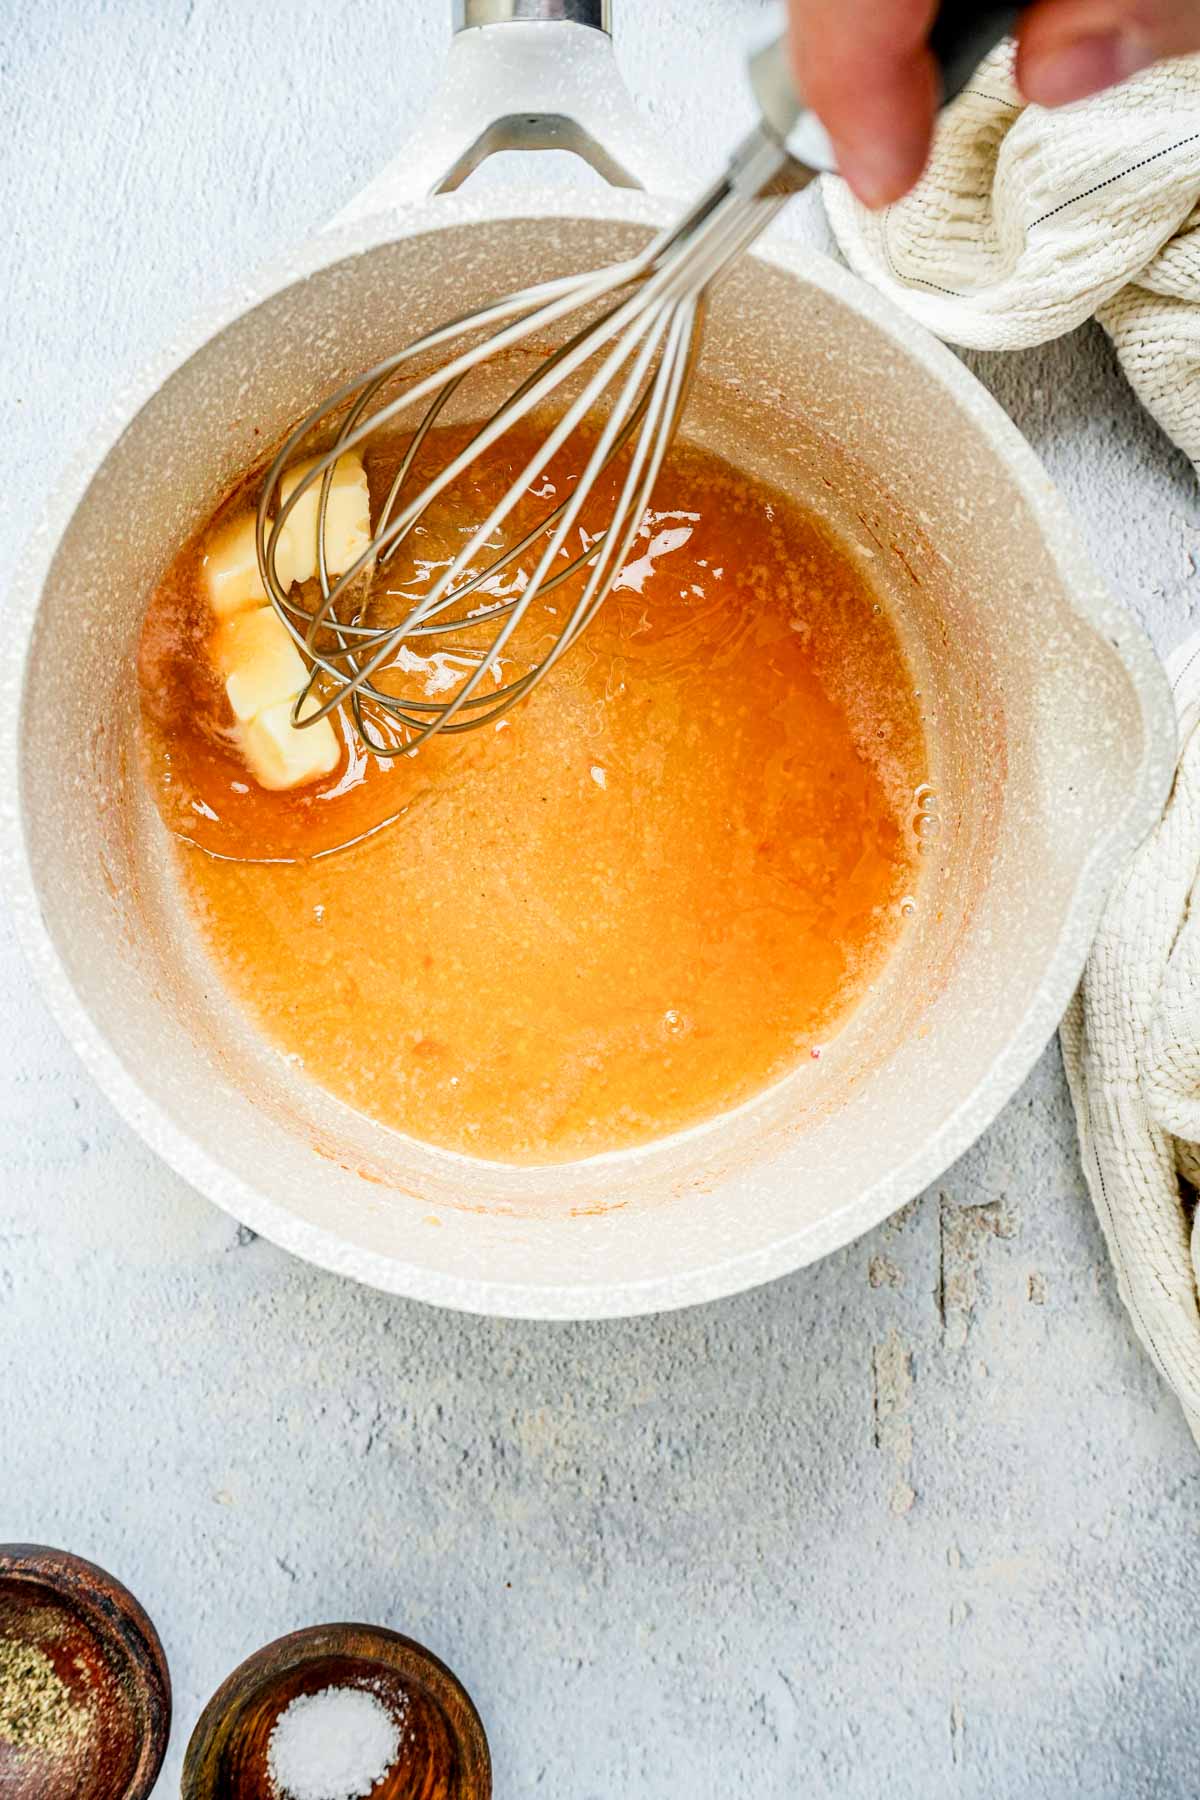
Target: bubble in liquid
x: 927, y: 825
x: 908, y: 906
x: 674, y: 1023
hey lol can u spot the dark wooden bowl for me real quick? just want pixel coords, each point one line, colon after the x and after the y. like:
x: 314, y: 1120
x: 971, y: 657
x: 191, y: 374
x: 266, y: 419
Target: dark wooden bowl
x: 106, y: 1739
x: 443, y: 1751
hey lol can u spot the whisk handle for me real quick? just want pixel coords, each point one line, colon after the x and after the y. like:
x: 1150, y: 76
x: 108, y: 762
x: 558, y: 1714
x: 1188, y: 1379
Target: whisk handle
x: 963, y: 33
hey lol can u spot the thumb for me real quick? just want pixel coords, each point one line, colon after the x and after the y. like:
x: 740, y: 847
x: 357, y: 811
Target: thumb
x: 1068, y: 49
x: 865, y: 68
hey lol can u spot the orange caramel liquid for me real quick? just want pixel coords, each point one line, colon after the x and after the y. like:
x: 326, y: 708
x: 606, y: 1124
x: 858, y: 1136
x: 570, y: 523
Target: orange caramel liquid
x: 649, y: 892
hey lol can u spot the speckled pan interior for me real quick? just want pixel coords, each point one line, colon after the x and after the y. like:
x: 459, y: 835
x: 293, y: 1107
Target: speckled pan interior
x: 1050, y: 729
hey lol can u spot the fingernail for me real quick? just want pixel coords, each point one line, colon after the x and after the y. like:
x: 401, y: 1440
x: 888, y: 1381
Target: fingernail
x: 1074, y: 70
x: 875, y: 176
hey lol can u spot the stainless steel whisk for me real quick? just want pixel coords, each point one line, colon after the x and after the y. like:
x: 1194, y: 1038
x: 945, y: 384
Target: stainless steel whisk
x: 638, y: 343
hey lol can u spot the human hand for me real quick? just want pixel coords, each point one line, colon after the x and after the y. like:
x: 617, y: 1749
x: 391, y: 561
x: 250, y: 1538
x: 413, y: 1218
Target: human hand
x: 865, y: 68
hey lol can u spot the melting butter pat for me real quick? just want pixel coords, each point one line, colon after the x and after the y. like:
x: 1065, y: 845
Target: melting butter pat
x: 347, y: 518
x: 264, y: 674
x: 230, y: 567
x: 279, y: 755
x: 257, y: 661
x: 252, y: 649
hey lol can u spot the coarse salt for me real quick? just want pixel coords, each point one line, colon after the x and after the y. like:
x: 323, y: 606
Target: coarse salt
x: 332, y: 1745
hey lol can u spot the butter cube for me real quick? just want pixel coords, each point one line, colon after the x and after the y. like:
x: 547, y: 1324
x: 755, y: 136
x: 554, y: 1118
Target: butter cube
x: 258, y: 661
x: 230, y: 567
x: 279, y: 755
x: 347, y: 518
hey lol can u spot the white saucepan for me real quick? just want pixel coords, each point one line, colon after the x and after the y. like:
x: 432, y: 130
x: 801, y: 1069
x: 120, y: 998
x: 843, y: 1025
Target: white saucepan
x: 1052, y: 742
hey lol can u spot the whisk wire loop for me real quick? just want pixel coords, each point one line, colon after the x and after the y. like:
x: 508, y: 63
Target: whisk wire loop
x: 633, y: 335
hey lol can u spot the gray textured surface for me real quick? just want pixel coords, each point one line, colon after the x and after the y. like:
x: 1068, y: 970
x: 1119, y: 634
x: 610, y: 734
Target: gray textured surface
x: 919, y: 1521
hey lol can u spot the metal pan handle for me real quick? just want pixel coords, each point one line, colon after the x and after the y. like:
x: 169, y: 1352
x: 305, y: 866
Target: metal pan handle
x: 469, y: 13
x: 525, y: 75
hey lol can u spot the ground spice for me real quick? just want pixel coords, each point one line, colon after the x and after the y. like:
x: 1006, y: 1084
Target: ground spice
x: 36, y: 1709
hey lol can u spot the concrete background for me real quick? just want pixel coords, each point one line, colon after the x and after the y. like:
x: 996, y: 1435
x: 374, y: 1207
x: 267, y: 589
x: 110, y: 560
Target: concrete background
x: 920, y: 1521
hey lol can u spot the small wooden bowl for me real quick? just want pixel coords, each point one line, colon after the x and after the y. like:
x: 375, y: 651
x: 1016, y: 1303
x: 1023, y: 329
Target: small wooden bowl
x: 106, y: 1736
x: 443, y: 1751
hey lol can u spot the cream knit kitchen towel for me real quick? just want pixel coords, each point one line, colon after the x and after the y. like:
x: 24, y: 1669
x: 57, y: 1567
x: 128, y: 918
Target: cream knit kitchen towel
x: 1131, y: 1044
x: 1028, y: 221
